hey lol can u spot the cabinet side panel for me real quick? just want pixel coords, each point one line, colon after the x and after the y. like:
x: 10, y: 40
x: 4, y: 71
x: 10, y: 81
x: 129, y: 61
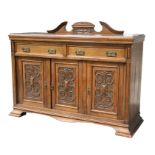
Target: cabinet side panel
x: 135, y: 85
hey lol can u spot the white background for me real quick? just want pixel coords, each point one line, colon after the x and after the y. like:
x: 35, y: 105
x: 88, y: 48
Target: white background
x: 43, y: 135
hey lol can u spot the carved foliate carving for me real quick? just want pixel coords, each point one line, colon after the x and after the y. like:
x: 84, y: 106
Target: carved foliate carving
x: 32, y: 81
x: 104, y: 89
x: 66, y: 85
x: 83, y: 28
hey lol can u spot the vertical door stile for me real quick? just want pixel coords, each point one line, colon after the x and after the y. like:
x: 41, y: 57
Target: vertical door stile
x: 47, y: 91
x: 52, y: 83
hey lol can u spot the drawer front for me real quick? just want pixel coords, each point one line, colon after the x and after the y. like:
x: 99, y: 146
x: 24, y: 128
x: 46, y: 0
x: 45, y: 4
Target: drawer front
x: 55, y: 50
x: 98, y: 52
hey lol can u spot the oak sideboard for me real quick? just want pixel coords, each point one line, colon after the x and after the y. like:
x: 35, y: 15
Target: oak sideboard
x: 79, y: 75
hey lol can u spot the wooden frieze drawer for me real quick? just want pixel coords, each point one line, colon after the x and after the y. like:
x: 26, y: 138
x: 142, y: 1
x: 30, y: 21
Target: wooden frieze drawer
x: 79, y: 75
x: 56, y: 50
x: 97, y: 52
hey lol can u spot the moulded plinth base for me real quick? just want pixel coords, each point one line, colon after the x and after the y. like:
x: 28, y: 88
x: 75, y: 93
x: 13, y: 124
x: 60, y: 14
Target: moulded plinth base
x: 129, y: 132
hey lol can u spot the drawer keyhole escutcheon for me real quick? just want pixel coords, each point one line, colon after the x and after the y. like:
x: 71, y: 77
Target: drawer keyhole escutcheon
x: 111, y: 54
x: 80, y: 52
x: 52, y: 51
x: 26, y: 50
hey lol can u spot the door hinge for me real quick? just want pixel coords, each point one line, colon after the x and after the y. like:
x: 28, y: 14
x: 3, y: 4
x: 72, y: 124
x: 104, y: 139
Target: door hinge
x: 89, y: 91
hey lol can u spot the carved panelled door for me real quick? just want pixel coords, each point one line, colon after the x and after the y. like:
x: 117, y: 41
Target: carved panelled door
x: 102, y: 89
x: 66, y: 82
x: 33, y: 82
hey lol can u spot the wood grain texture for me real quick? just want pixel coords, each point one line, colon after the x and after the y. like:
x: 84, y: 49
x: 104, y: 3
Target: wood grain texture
x: 81, y: 75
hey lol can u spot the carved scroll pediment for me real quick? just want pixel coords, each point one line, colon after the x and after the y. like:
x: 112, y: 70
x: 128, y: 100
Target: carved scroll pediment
x: 85, y: 28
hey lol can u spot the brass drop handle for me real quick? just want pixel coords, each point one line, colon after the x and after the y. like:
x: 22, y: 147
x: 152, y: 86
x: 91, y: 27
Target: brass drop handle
x: 80, y: 52
x: 111, y: 54
x: 26, y: 50
x: 52, y: 51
